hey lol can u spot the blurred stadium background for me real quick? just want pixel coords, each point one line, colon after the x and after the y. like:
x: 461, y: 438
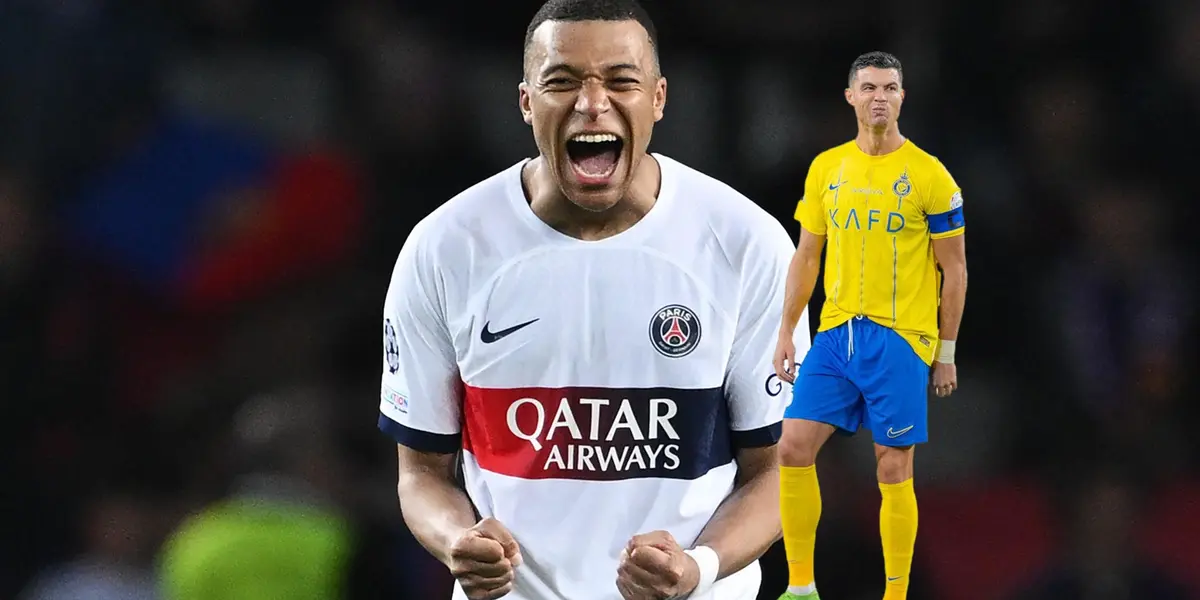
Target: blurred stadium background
x: 201, y: 200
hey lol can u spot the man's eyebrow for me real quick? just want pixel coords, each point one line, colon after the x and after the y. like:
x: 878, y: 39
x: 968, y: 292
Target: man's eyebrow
x: 569, y: 69
x: 557, y: 67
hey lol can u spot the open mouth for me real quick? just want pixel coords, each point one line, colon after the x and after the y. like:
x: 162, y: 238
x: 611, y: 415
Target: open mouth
x: 594, y: 156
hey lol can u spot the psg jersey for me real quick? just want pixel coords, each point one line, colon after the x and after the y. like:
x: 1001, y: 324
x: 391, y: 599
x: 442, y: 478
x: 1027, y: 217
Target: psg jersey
x: 597, y: 389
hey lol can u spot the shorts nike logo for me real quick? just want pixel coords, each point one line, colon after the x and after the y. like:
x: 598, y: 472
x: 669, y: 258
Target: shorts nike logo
x: 488, y: 337
x: 895, y: 434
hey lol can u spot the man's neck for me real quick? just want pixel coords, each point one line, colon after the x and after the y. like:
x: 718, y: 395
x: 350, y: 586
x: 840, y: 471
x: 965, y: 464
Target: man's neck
x: 551, y: 206
x: 877, y: 142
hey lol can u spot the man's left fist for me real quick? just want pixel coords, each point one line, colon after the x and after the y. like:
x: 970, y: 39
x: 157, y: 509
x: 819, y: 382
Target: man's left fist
x: 654, y: 567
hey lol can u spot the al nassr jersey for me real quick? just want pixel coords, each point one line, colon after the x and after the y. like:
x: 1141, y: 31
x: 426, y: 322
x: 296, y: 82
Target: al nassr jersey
x: 879, y: 215
x: 598, y: 389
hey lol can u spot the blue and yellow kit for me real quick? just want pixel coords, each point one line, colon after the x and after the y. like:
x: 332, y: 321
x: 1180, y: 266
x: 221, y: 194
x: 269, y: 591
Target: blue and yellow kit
x: 879, y: 215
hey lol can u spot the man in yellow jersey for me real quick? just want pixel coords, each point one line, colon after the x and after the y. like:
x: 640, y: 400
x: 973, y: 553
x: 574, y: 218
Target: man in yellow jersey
x: 895, y: 270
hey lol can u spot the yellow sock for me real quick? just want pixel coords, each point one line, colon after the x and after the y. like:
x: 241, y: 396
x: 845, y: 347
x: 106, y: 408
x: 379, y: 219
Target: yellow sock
x: 800, y: 509
x: 898, y: 531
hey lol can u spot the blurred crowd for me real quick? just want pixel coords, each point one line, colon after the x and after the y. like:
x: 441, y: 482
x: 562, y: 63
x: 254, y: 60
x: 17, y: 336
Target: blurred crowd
x: 201, y: 201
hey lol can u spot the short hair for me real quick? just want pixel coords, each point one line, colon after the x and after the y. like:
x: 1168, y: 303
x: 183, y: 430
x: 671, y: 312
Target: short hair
x: 593, y: 10
x: 877, y: 59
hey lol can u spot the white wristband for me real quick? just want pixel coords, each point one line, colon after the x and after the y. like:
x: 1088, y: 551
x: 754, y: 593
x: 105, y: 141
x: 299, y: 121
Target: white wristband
x: 710, y: 565
x: 946, y: 352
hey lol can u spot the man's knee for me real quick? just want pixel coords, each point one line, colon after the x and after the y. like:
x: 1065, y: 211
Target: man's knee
x: 894, y: 464
x: 801, y: 442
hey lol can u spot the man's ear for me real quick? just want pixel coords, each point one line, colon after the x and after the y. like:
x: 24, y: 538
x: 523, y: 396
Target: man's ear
x: 524, y: 102
x: 660, y: 98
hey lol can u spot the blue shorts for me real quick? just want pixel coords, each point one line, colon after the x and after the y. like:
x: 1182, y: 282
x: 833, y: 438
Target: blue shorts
x: 862, y: 373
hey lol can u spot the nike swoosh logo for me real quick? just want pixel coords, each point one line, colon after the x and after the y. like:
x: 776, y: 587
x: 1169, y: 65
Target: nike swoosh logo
x: 895, y: 434
x: 488, y: 337
x: 895, y: 578
x: 834, y: 187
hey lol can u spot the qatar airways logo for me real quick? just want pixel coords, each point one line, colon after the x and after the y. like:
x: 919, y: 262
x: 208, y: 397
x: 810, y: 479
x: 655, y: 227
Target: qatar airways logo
x: 598, y: 434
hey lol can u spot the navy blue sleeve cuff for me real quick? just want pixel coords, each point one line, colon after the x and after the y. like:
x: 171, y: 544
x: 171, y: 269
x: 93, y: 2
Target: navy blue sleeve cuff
x: 423, y: 441
x: 758, y: 438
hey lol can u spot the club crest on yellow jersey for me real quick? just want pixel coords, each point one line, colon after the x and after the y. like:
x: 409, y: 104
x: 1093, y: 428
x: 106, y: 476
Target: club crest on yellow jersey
x: 902, y: 187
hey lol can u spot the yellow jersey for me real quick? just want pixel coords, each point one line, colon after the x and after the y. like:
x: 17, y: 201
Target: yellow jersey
x: 879, y: 215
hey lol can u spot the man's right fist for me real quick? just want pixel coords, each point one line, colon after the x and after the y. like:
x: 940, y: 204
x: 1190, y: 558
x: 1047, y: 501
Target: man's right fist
x: 483, y: 559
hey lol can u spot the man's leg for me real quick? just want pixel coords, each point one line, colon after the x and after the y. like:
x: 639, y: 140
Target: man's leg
x: 823, y: 400
x: 800, y: 499
x: 897, y: 516
x: 895, y: 384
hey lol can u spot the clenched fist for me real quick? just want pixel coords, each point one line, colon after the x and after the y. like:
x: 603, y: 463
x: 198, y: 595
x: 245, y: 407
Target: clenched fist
x: 944, y: 378
x: 483, y: 559
x: 654, y: 567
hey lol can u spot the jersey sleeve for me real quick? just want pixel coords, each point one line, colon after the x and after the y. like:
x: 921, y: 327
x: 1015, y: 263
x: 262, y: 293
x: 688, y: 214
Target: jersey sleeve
x: 944, y: 212
x: 754, y: 393
x: 809, y: 210
x: 421, y: 394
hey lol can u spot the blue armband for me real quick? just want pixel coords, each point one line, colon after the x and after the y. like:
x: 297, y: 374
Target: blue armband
x: 947, y: 221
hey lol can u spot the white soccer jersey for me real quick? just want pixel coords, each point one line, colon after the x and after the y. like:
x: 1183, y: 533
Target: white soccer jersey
x: 598, y: 389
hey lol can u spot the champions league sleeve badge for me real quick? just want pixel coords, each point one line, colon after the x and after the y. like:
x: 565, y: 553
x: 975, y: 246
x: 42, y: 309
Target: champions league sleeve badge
x: 391, y: 349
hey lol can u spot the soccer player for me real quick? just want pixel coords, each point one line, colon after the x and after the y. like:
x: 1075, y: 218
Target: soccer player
x: 895, y: 270
x: 592, y: 329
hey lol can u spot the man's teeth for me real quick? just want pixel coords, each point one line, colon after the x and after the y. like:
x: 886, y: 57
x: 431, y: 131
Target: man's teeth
x: 594, y: 138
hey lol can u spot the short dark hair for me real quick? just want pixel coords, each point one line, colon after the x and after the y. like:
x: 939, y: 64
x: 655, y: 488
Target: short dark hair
x: 877, y: 59
x: 593, y: 10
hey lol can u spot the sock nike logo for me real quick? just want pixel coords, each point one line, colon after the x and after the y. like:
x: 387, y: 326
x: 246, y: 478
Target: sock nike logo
x: 891, y: 579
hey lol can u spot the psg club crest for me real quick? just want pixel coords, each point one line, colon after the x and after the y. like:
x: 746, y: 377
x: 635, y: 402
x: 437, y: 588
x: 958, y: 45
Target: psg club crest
x: 391, y: 349
x: 674, y: 331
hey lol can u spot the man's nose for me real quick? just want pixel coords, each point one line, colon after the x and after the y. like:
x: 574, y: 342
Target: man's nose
x: 593, y: 100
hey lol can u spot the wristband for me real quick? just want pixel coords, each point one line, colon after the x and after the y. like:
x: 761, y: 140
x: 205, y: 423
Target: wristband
x: 946, y: 352
x: 709, y: 565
